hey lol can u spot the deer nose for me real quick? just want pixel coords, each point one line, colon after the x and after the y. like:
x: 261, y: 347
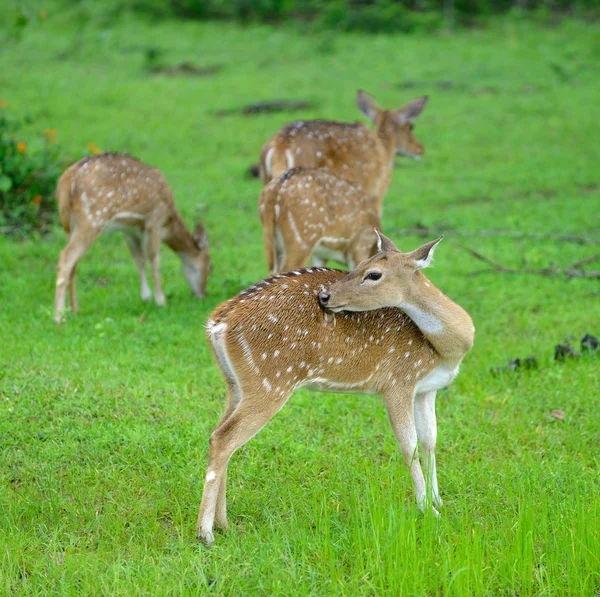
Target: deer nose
x: 323, y: 298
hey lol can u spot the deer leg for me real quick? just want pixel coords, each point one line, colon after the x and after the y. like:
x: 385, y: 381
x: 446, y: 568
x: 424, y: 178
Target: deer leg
x: 72, y: 295
x: 252, y: 413
x: 427, y: 433
x: 153, y: 247
x: 137, y: 252
x: 79, y: 243
x: 400, y: 410
x: 233, y: 399
x: 296, y: 257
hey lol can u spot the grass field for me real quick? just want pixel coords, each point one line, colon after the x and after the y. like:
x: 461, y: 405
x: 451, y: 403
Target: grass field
x: 104, y: 422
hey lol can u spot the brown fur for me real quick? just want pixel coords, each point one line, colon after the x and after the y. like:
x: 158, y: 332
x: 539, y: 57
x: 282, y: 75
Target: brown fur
x: 275, y: 337
x: 114, y: 190
x: 307, y: 210
x: 351, y: 151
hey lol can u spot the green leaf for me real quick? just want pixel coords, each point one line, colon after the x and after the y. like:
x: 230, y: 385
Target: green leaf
x: 5, y: 183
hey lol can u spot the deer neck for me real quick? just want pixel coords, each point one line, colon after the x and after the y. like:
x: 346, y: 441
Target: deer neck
x: 178, y: 237
x: 446, y: 325
x: 386, y: 135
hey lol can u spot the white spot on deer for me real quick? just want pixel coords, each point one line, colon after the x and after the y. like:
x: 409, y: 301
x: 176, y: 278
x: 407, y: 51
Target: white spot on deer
x: 406, y: 354
x: 264, y: 356
x: 276, y: 353
x: 267, y: 384
x: 289, y: 156
x: 268, y: 161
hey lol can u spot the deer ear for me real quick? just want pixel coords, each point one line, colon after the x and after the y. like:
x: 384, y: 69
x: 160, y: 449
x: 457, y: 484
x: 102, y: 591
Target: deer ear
x: 384, y: 243
x: 423, y: 256
x: 410, y: 111
x: 200, y: 237
x: 366, y: 104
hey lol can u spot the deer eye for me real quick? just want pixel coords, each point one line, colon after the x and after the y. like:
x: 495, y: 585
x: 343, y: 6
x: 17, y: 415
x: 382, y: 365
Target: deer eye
x: 373, y: 276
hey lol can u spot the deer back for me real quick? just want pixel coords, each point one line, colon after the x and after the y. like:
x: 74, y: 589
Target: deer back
x: 275, y: 336
x: 351, y: 151
x: 319, y: 204
x: 113, y: 188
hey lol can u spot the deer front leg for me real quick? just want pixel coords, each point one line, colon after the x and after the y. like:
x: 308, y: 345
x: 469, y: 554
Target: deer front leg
x: 137, y: 252
x: 427, y: 433
x: 153, y: 240
x: 400, y: 410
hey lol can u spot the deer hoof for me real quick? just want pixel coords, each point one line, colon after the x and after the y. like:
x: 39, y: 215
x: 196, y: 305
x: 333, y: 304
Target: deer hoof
x: 206, y: 537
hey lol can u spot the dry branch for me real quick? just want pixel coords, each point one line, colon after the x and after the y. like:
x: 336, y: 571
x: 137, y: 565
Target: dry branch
x: 550, y: 272
x: 431, y: 231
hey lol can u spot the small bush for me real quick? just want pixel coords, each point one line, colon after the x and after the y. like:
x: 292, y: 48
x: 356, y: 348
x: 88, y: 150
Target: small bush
x: 28, y: 175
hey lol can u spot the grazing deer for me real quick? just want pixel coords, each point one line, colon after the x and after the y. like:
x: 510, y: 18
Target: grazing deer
x: 351, y: 151
x: 308, y: 211
x: 114, y: 191
x: 382, y: 328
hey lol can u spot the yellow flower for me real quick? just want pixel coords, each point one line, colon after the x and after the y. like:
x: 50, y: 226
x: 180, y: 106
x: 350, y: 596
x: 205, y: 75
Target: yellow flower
x: 50, y: 132
x: 22, y: 146
x: 93, y: 148
x: 3, y: 103
x: 37, y: 200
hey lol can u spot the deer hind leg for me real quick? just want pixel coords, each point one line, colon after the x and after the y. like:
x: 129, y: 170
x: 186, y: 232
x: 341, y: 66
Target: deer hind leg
x: 296, y: 249
x: 153, y: 240
x: 79, y: 243
x: 254, y: 411
x: 400, y: 408
x: 134, y: 242
x: 72, y: 294
x: 217, y: 339
x: 427, y: 432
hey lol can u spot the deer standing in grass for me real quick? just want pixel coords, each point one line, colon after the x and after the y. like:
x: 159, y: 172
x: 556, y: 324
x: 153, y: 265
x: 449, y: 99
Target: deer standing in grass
x: 114, y: 191
x: 351, y: 151
x: 308, y: 211
x: 383, y: 328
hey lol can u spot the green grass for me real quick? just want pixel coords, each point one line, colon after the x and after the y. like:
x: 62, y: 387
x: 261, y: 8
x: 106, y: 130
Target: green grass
x: 104, y: 422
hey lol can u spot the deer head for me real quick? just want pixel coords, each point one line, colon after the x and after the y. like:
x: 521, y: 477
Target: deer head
x: 196, y: 264
x: 388, y: 279
x: 400, y: 123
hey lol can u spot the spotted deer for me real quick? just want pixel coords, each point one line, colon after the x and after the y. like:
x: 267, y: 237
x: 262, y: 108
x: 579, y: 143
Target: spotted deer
x: 309, y: 211
x: 351, y: 151
x: 116, y: 192
x: 383, y: 328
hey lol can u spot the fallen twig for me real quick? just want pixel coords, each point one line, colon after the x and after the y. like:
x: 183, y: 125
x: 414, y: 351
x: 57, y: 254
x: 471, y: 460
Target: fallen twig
x: 426, y: 231
x: 550, y: 272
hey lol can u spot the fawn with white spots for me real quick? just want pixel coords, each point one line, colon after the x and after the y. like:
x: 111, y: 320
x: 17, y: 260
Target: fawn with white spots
x: 114, y: 191
x: 351, y: 151
x: 382, y: 328
x: 308, y: 211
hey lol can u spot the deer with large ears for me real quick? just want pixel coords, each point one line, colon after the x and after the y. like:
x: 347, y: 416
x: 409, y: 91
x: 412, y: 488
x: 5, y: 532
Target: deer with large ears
x: 116, y: 192
x: 351, y: 151
x: 383, y: 328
